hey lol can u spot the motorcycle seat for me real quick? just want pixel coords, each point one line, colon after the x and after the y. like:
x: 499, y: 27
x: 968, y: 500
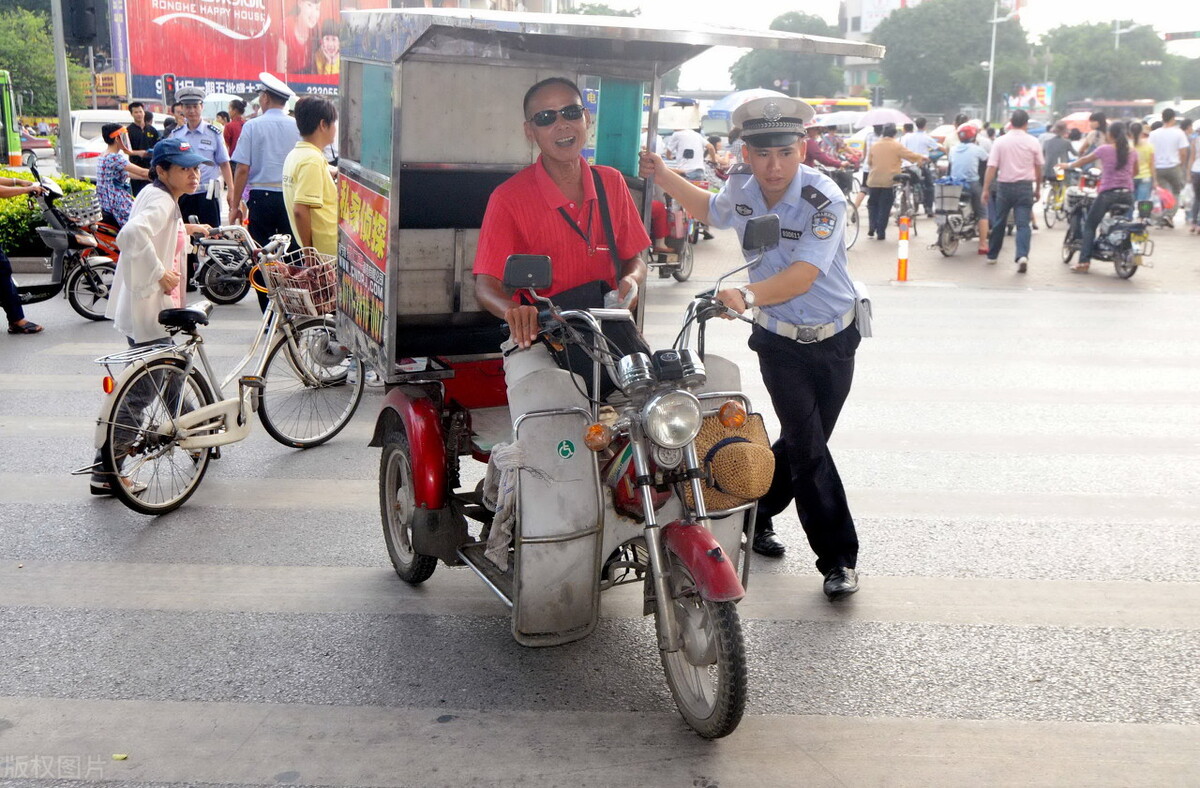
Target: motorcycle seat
x: 186, y: 318
x: 1130, y: 227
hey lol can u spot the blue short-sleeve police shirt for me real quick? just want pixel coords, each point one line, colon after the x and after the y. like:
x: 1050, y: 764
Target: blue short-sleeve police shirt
x: 812, y: 216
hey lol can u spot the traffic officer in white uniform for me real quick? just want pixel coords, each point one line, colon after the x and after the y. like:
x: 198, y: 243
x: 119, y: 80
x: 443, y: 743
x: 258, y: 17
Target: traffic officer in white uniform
x: 265, y: 142
x: 207, y: 141
x: 805, y: 333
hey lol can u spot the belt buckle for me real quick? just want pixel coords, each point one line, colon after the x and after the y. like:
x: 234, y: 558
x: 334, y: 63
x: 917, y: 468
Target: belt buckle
x: 806, y: 334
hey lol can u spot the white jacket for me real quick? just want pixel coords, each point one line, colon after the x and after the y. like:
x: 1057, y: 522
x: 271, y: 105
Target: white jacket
x: 147, y: 243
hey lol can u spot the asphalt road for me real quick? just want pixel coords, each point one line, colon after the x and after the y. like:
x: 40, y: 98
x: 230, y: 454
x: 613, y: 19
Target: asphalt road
x: 1022, y: 454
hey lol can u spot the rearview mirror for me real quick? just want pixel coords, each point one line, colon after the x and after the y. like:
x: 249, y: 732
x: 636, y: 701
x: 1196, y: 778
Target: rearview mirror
x: 761, y: 233
x: 530, y: 271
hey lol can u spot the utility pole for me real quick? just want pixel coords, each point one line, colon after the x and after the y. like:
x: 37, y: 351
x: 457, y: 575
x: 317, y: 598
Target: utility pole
x: 66, y: 136
x: 987, y: 112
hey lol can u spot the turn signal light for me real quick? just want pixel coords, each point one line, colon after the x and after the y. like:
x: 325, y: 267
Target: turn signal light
x: 108, y: 384
x: 598, y: 436
x: 732, y: 414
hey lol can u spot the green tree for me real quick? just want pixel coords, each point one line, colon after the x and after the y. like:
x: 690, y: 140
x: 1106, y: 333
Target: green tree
x: 806, y: 75
x: 1087, y: 64
x: 27, y: 52
x: 934, y: 51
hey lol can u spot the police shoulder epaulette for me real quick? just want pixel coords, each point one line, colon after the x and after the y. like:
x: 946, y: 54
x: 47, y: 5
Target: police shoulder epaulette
x: 815, y: 197
x: 741, y: 168
x: 214, y: 128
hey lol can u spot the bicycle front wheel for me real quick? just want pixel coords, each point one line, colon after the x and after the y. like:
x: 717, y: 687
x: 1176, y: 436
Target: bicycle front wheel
x: 309, y: 396
x: 151, y: 474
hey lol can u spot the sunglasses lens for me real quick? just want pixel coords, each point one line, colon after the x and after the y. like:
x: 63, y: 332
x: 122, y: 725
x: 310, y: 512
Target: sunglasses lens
x: 548, y: 116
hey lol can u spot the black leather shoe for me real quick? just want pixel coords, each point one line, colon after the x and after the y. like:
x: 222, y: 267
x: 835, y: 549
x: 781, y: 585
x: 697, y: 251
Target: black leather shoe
x: 767, y: 543
x: 841, y: 581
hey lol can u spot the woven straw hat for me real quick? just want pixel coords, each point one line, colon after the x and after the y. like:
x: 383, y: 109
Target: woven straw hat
x: 739, y: 462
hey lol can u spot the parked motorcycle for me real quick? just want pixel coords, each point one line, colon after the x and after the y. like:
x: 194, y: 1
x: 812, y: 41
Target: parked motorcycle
x: 75, y: 264
x: 584, y: 493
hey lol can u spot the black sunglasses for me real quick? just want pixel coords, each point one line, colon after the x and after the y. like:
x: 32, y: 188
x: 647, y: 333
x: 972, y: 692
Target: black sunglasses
x: 547, y: 116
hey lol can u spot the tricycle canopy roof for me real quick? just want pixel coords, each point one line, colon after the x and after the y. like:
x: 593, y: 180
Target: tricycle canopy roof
x: 393, y: 34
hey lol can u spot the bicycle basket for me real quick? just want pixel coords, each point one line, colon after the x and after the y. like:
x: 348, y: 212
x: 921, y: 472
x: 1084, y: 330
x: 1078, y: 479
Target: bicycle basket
x: 303, y: 282
x: 83, y: 208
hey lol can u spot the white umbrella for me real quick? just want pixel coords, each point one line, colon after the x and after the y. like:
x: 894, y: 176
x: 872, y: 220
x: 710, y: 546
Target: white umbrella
x: 843, y: 118
x: 881, y: 116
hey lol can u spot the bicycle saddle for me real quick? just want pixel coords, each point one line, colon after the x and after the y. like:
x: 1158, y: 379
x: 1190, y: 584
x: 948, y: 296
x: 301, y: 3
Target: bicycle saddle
x: 186, y: 318
x: 900, y: 177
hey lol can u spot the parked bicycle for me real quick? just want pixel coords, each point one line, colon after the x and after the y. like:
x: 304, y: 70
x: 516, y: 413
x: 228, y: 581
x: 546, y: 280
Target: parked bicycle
x: 166, y: 414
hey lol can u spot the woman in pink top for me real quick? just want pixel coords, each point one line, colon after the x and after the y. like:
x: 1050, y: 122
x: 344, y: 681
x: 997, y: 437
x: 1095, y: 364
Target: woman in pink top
x: 1118, y: 162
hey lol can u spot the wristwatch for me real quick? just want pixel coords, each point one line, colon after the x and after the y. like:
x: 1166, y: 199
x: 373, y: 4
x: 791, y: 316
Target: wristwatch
x: 747, y: 295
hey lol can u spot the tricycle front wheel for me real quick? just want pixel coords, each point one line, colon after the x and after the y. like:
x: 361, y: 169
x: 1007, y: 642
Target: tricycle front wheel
x: 397, y: 507
x: 707, y: 676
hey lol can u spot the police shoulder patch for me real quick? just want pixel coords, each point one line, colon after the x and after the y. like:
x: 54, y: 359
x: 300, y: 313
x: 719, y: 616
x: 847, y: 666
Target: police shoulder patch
x: 823, y: 224
x: 815, y: 197
x: 741, y: 168
x: 743, y: 210
x: 791, y: 235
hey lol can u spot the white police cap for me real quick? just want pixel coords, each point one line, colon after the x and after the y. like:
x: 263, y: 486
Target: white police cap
x: 772, y: 121
x: 190, y: 94
x: 275, y: 86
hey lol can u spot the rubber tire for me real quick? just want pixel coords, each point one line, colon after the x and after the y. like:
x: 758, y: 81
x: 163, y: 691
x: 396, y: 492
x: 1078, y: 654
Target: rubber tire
x: 221, y: 292
x: 204, y: 395
x: 852, y: 228
x: 280, y: 357
x: 947, y: 240
x: 77, y: 279
x: 395, y: 466
x: 1124, y: 264
x: 730, y: 696
x: 687, y: 262
x: 1068, y: 247
x: 1049, y: 215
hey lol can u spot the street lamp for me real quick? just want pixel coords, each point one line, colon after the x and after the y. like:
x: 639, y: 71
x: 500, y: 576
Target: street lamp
x: 1119, y: 31
x: 992, y: 58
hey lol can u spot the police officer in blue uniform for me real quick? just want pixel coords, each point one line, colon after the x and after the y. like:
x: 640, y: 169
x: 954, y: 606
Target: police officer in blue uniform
x: 208, y: 141
x: 805, y: 333
x: 265, y: 142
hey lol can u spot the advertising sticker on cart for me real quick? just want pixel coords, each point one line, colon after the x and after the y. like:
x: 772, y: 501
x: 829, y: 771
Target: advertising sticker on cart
x: 362, y: 257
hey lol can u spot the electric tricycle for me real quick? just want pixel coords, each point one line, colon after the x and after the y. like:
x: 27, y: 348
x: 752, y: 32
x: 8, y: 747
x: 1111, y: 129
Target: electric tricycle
x: 631, y: 466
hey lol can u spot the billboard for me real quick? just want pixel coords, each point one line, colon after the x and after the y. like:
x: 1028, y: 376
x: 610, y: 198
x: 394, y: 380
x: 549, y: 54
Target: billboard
x: 223, y: 45
x: 1036, y: 99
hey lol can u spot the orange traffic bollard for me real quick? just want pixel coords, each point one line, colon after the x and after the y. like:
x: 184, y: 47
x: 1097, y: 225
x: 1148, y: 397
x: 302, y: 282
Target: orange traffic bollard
x: 902, y: 259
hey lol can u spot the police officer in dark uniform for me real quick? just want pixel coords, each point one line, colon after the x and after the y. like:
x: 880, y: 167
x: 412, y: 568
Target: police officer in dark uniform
x: 264, y: 144
x: 805, y: 333
x: 206, y: 140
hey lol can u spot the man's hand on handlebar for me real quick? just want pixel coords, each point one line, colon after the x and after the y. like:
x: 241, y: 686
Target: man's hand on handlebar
x: 650, y: 164
x: 522, y: 322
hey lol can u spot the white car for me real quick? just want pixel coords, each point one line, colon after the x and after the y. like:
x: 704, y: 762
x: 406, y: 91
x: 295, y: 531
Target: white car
x: 88, y: 145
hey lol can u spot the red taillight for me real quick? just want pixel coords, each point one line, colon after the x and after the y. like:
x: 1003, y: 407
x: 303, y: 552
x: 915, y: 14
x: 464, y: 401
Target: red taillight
x: 108, y: 384
x: 88, y: 155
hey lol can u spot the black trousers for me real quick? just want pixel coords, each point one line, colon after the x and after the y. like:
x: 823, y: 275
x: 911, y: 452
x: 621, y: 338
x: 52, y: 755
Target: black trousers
x: 268, y: 216
x: 207, y: 212
x: 1103, y: 202
x: 879, y: 209
x: 808, y: 385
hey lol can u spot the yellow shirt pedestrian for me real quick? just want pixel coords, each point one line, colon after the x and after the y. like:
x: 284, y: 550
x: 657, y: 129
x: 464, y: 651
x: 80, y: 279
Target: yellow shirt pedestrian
x: 306, y: 180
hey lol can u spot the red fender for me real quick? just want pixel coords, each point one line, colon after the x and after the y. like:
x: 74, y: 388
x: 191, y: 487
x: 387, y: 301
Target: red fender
x: 714, y: 572
x: 426, y: 443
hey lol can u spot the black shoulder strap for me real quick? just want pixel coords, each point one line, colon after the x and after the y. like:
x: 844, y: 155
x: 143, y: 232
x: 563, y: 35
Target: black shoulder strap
x: 606, y: 218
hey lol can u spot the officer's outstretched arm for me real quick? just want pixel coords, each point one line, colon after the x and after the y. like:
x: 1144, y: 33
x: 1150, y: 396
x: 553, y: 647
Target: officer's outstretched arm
x: 691, y: 197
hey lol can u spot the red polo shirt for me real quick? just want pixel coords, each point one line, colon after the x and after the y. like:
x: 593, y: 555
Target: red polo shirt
x: 523, y: 218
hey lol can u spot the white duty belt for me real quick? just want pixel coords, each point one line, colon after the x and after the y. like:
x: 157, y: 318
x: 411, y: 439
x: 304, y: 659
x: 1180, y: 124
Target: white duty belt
x: 804, y: 334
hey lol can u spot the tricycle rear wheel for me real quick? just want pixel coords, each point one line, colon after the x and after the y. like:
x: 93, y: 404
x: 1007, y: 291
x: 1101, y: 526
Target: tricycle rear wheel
x: 707, y: 676
x: 397, y: 508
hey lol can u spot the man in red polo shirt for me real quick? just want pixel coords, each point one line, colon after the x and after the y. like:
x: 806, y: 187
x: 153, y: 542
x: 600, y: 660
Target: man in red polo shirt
x: 551, y: 207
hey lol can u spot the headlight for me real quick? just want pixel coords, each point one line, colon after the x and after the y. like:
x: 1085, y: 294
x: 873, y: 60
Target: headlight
x: 672, y: 419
